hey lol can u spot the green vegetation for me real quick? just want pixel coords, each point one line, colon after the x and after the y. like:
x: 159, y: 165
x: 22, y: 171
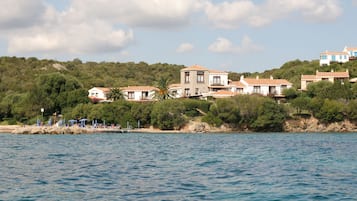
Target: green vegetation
x: 29, y: 84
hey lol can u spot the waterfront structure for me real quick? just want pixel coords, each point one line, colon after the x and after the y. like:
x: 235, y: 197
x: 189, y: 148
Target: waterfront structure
x: 327, y: 76
x: 98, y: 94
x: 266, y: 87
x: 198, y: 81
x: 139, y: 93
x: 131, y: 93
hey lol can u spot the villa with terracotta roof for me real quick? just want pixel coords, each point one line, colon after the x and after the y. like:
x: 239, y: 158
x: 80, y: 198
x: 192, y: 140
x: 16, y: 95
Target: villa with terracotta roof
x: 131, y: 93
x: 328, y: 57
x: 139, y: 93
x: 319, y: 76
x: 198, y: 81
x: 266, y: 87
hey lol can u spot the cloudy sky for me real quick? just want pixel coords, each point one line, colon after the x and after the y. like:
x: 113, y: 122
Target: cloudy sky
x: 231, y: 35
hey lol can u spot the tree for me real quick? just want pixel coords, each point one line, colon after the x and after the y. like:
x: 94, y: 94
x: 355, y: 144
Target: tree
x: 331, y: 111
x: 271, y: 117
x: 163, y: 86
x: 168, y: 115
x: 300, y: 103
x: 115, y: 94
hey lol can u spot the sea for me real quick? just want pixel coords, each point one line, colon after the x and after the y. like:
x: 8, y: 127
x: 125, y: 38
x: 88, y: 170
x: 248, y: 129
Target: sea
x: 136, y: 166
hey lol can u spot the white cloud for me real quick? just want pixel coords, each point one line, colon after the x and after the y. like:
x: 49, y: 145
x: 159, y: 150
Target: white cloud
x: 185, y: 47
x: 234, y: 14
x: 20, y: 13
x: 223, y: 45
x: 148, y: 13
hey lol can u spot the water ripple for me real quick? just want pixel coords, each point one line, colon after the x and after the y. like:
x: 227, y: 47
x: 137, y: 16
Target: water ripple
x: 178, y: 167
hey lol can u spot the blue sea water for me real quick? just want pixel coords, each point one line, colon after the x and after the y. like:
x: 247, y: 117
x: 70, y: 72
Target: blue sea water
x: 268, y: 166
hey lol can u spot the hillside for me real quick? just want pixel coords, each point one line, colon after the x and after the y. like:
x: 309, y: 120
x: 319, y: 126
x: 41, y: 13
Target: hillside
x: 20, y: 74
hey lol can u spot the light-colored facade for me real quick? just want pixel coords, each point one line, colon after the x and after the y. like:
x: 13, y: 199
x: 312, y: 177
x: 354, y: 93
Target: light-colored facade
x: 197, y: 81
x: 98, y: 94
x: 352, y: 51
x: 266, y: 87
x: 131, y: 93
x: 319, y: 76
x: 139, y: 93
x: 326, y: 58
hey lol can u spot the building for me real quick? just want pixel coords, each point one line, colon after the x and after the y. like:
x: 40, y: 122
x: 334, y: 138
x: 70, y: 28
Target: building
x: 98, y: 94
x: 348, y: 54
x: 327, y: 76
x: 139, y: 93
x: 327, y: 57
x: 266, y: 87
x: 131, y: 93
x: 197, y: 81
x: 352, y: 52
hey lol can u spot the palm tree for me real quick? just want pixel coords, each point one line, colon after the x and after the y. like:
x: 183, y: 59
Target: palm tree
x: 115, y: 94
x: 163, y: 86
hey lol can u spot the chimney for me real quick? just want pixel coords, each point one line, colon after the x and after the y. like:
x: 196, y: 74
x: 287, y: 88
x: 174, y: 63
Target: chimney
x: 271, y: 77
x: 257, y: 77
x: 242, y: 77
x: 332, y: 70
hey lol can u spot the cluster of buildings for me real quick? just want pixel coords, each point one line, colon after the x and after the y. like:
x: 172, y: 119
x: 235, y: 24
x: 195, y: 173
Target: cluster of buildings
x: 200, y: 82
x: 347, y: 54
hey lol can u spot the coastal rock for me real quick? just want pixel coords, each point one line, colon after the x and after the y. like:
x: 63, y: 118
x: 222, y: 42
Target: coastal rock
x: 50, y: 130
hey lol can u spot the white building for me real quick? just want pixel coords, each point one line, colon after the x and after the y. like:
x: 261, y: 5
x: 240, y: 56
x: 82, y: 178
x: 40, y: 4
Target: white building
x: 139, y: 93
x: 131, y: 93
x: 326, y: 58
x: 352, y: 52
x: 266, y: 87
x: 98, y: 94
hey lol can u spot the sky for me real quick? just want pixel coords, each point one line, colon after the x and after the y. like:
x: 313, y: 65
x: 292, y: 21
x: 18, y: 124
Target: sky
x: 234, y: 35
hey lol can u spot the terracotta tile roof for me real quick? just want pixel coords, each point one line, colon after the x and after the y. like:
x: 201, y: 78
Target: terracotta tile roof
x: 333, y: 74
x: 252, y: 81
x: 176, y: 85
x: 200, y: 68
x: 237, y: 84
x: 139, y: 88
x: 308, y: 77
x: 222, y: 94
x: 195, y: 67
x: 104, y: 89
x: 334, y: 53
x: 351, y: 48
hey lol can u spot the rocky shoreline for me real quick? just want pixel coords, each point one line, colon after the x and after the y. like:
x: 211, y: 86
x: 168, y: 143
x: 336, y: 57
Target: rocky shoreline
x: 310, y: 125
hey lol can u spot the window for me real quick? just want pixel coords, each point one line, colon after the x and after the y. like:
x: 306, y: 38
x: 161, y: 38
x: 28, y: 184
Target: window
x: 324, y: 57
x: 216, y: 80
x: 131, y: 95
x: 187, y: 77
x: 239, y: 90
x: 200, y: 77
x: 187, y: 92
x: 256, y: 89
x: 284, y: 87
x: 144, y: 95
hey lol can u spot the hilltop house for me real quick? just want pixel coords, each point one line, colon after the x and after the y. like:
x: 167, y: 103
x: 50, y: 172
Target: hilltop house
x: 319, y: 76
x: 131, y: 93
x: 197, y: 81
x: 328, y: 57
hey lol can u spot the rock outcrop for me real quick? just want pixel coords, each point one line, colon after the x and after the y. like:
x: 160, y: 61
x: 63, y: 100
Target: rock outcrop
x: 50, y: 130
